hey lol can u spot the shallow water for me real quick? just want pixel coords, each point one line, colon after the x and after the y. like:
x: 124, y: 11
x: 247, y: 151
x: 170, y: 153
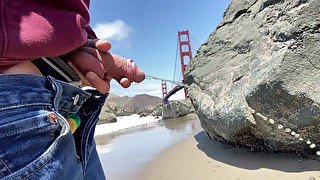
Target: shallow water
x: 125, y: 153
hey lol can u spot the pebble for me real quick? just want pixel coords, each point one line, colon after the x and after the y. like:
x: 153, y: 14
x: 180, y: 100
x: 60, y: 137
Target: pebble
x: 287, y: 130
x: 312, y: 146
x: 271, y: 121
x: 262, y: 116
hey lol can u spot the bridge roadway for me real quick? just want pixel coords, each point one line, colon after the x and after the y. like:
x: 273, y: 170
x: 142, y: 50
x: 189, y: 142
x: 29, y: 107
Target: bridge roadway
x: 172, y: 92
x: 179, y: 86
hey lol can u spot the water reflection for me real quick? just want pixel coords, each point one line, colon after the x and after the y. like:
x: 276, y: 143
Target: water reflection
x: 125, y: 153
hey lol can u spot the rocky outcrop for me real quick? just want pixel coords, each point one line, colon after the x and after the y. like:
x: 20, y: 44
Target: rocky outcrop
x: 107, y: 114
x: 107, y: 118
x: 256, y: 81
x: 142, y: 104
x: 155, y: 110
x: 176, y: 109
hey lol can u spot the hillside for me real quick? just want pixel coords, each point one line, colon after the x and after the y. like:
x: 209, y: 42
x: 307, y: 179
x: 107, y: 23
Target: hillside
x: 115, y: 100
x: 142, y: 104
x: 141, y: 101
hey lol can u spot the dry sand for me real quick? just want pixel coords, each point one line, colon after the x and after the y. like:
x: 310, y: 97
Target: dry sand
x: 197, y: 158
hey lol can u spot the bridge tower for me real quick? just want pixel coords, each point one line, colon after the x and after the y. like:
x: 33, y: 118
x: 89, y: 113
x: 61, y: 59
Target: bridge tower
x: 185, y: 53
x: 164, y: 88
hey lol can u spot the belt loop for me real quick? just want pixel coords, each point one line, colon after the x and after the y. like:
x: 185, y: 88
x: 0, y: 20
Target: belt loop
x: 58, y: 92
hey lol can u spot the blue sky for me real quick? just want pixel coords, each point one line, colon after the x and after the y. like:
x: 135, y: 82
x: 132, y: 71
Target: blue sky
x: 146, y: 31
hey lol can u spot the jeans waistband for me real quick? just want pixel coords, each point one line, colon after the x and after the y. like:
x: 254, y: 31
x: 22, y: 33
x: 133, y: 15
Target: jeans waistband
x: 20, y: 90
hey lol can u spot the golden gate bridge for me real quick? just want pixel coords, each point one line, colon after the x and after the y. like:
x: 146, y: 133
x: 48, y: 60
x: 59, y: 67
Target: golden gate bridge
x: 185, y: 52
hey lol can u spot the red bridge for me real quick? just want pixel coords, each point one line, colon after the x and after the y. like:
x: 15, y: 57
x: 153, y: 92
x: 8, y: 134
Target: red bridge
x: 185, y: 58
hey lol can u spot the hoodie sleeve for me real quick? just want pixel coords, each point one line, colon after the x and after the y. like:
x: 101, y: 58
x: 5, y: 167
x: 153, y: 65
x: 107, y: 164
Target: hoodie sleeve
x: 31, y: 29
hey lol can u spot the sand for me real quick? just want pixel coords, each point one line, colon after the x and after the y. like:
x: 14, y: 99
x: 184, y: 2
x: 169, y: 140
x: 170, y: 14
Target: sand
x: 197, y: 158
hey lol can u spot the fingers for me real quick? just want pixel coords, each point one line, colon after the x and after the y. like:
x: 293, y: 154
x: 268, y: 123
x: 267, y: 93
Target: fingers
x: 116, y: 66
x: 101, y: 45
x: 85, y: 62
x: 83, y: 79
x: 124, y: 82
x: 103, y: 86
x: 94, y: 52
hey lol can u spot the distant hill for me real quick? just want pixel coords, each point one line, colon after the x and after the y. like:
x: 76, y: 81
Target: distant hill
x: 141, y: 101
x: 117, y: 101
x: 132, y: 103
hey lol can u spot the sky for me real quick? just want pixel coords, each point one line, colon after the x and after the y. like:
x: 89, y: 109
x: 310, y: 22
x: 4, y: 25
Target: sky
x: 146, y: 31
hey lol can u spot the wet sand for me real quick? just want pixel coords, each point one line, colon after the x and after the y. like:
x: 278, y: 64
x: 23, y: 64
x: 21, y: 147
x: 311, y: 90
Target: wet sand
x: 179, y: 150
x: 197, y: 158
x: 126, y: 153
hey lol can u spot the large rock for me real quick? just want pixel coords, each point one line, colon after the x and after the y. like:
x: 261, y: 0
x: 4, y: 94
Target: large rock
x: 107, y: 118
x: 256, y: 81
x: 155, y: 110
x: 176, y: 109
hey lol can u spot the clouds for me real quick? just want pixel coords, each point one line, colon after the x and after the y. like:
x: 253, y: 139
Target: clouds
x: 117, y: 30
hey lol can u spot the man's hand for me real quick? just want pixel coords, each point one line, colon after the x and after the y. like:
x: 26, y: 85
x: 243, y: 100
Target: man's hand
x: 99, y: 66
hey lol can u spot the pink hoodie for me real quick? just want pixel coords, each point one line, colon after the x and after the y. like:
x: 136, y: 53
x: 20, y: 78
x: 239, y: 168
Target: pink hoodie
x: 31, y: 29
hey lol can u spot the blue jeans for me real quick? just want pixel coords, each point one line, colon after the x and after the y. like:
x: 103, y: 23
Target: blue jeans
x: 35, y: 138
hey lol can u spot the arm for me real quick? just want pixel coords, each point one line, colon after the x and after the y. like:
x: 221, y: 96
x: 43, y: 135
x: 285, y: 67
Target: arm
x: 42, y: 28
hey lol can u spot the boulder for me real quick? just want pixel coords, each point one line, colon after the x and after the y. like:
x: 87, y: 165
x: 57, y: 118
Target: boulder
x: 256, y: 81
x: 155, y: 110
x: 107, y: 118
x: 176, y: 109
x: 158, y: 110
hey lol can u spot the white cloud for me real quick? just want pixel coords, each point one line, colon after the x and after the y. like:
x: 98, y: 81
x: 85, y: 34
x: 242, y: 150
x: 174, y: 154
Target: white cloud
x: 117, y: 30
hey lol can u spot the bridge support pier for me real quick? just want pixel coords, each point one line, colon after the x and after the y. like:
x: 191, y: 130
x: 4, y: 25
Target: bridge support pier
x: 185, y: 53
x: 164, y: 88
x: 185, y: 58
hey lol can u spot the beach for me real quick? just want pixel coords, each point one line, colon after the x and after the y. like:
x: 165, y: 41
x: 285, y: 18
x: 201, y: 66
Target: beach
x: 198, y: 158
x: 179, y: 149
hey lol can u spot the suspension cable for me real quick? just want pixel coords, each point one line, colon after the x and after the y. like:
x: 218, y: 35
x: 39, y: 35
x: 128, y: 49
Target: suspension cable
x: 150, y: 77
x: 194, y: 38
x: 175, y: 63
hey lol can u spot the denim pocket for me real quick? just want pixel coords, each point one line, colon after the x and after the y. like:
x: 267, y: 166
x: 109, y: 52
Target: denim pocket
x: 26, y: 132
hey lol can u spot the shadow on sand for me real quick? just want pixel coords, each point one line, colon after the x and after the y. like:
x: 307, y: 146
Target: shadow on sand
x: 243, y: 158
